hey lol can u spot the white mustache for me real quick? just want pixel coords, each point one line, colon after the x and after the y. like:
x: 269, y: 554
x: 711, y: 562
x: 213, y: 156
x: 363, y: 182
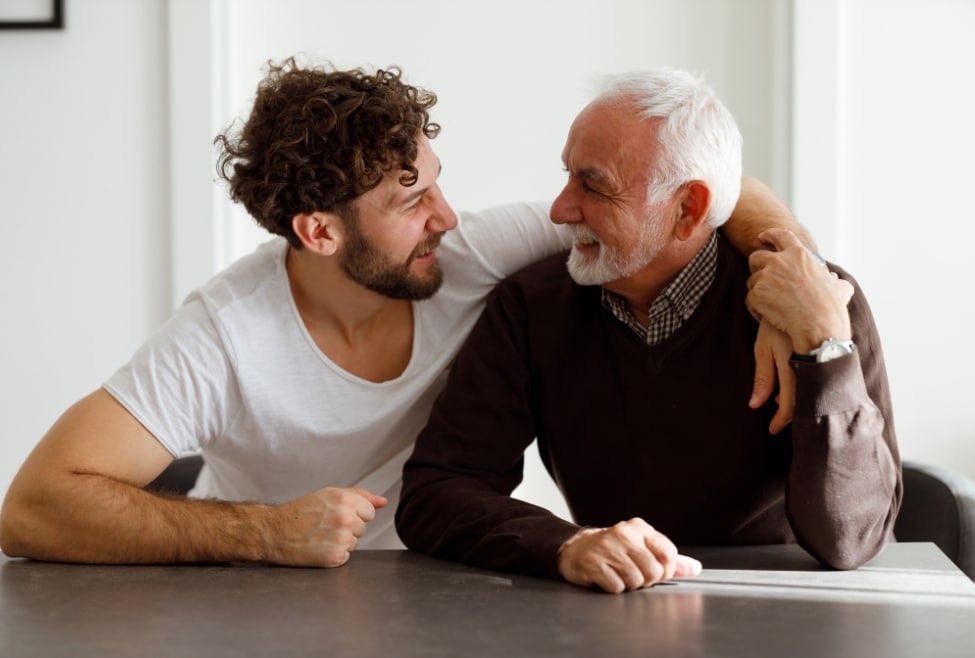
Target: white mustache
x: 582, y: 234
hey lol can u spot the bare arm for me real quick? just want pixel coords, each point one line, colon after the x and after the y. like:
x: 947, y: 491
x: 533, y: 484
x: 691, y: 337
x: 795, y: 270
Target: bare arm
x: 759, y: 209
x: 79, y: 498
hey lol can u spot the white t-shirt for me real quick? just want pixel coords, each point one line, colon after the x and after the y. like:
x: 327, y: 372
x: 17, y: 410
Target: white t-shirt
x: 235, y: 375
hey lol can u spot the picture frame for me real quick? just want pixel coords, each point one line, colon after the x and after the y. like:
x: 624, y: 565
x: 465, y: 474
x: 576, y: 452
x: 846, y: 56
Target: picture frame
x: 31, y: 14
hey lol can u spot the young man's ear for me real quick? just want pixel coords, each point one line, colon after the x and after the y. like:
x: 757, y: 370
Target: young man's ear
x: 319, y: 232
x: 695, y: 201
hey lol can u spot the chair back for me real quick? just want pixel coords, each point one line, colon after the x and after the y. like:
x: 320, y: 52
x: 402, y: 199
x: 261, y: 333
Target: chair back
x: 939, y: 507
x: 179, y: 477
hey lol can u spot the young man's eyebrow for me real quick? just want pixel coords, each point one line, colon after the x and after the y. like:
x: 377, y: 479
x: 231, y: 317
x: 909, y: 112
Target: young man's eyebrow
x: 415, y: 194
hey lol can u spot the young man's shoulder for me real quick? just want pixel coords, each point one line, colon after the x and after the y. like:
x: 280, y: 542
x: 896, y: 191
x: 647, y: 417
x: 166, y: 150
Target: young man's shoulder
x: 248, y: 274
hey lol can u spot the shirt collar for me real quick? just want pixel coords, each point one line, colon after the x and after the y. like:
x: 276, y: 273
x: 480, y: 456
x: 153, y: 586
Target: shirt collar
x: 677, y: 301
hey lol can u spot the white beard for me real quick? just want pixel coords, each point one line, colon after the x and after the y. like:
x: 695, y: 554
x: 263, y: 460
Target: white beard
x: 611, y: 264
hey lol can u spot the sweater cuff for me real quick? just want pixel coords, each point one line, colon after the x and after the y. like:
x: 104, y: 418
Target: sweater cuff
x: 828, y: 388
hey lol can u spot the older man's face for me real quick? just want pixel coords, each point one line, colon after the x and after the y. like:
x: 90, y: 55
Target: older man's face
x: 609, y: 155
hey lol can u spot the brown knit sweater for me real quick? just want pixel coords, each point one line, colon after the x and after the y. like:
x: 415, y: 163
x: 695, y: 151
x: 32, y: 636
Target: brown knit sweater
x: 663, y: 433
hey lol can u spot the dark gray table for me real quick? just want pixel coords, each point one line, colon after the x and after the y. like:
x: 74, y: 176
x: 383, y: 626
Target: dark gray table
x: 756, y: 601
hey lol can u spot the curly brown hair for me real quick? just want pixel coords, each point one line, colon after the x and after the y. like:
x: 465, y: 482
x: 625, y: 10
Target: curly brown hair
x: 318, y: 138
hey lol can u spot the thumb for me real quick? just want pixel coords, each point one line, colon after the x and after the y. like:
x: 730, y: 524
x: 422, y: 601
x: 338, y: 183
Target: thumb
x: 375, y: 500
x: 779, y: 238
x: 687, y: 567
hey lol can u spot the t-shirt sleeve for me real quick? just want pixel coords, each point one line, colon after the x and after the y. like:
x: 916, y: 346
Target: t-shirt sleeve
x: 509, y: 237
x: 180, y: 384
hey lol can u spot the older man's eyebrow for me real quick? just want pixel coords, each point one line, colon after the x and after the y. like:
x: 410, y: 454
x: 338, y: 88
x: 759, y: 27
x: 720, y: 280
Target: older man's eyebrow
x: 590, y: 174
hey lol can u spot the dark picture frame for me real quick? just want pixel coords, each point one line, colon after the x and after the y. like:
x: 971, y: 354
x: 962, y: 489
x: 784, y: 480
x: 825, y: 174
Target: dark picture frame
x: 12, y: 20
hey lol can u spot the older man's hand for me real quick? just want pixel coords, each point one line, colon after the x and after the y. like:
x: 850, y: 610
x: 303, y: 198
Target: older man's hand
x: 790, y: 289
x: 627, y: 556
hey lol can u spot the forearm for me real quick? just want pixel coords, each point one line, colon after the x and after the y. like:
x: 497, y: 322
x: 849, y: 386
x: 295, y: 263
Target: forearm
x: 457, y: 518
x: 94, y: 519
x: 757, y: 210
x: 845, y: 484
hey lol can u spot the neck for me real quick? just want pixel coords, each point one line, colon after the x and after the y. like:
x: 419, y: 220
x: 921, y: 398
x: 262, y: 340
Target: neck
x: 328, y: 300
x: 642, y: 288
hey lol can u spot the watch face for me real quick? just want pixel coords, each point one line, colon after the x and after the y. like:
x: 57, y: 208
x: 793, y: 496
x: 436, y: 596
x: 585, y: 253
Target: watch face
x: 830, y: 352
x: 833, y: 349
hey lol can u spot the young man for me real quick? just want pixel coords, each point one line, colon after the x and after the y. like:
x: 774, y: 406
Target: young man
x: 630, y: 369
x: 304, y: 371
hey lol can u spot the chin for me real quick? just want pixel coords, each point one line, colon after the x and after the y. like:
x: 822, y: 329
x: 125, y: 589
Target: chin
x: 587, y: 274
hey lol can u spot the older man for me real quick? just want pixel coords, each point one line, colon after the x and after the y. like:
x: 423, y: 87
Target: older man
x: 629, y: 364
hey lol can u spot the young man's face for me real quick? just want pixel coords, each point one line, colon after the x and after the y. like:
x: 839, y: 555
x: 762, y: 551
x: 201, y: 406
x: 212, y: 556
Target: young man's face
x: 393, y: 232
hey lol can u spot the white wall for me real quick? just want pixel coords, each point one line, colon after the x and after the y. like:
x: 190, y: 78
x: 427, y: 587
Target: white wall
x: 906, y: 220
x: 84, y: 175
x: 883, y: 166
x: 83, y: 208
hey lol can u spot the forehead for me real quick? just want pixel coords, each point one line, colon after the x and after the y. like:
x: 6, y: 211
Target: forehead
x: 610, y: 137
x: 391, y: 192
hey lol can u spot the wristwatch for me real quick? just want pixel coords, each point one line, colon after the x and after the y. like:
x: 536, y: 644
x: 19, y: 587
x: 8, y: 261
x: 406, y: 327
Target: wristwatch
x: 832, y: 348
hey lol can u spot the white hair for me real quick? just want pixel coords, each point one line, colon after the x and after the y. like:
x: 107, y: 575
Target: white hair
x: 698, y: 138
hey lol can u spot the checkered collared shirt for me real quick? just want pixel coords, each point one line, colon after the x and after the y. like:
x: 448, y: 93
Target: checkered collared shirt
x: 676, y: 302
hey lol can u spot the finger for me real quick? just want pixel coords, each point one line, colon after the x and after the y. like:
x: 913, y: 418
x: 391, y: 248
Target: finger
x: 337, y: 559
x: 757, y: 260
x: 373, y: 501
x: 764, y: 384
x: 750, y: 305
x: 609, y: 580
x: 786, y: 399
x: 634, y: 574
x: 647, y: 569
x: 358, y: 528
x: 664, y: 552
x: 779, y: 238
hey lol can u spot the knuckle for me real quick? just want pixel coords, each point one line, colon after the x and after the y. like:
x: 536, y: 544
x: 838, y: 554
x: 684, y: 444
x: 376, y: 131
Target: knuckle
x: 341, y: 520
x: 335, y: 557
x: 655, y: 572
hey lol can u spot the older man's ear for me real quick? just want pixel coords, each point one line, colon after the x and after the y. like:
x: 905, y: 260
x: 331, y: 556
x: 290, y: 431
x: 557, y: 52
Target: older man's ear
x: 695, y: 201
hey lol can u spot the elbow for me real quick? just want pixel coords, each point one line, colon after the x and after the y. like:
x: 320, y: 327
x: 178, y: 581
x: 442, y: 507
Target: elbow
x: 14, y: 534
x: 404, y: 526
x: 25, y: 531
x: 847, y: 553
x: 846, y: 560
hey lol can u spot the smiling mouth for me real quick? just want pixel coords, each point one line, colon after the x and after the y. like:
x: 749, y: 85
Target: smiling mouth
x: 583, y: 237
x: 428, y: 247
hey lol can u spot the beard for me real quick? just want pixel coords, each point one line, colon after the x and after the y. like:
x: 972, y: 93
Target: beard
x: 612, y: 263
x: 368, y: 266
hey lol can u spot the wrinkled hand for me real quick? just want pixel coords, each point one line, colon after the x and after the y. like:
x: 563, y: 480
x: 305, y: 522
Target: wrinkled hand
x: 322, y: 528
x: 773, y: 349
x: 627, y: 556
x: 793, y: 291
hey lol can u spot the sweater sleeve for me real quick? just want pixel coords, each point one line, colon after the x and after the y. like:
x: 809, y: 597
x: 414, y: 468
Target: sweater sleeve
x: 844, y: 488
x: 456, y: 501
